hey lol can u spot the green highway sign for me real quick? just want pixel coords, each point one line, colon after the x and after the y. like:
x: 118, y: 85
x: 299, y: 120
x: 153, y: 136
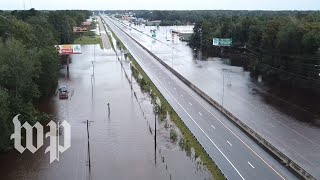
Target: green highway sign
x: 222, y: 42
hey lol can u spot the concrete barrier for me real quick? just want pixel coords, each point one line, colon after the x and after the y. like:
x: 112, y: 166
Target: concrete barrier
x: 263, y: 142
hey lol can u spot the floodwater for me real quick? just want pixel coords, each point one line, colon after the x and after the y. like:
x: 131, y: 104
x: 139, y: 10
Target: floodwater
x: 121, y: 141
x: 287, y: 118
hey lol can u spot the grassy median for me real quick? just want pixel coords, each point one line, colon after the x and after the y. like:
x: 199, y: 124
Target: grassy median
x: 188, y: 141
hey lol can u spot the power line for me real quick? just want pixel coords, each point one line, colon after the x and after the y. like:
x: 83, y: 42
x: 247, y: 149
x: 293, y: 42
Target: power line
x: 253, y: 58
x: 311, y: 58
x: 292, y: 73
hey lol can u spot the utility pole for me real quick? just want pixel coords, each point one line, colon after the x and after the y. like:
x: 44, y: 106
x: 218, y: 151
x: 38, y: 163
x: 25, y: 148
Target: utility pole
x: 89, y: 159
x: 68, y: 62
x: 156, y: 109
x: 155, y: 138
x: 92, y: 86
x: 94, y: 59
x: 222, y: 88
x: 92, y: 62
x: 200, y: 50
x: 131, y: 73
x: 224, y: 71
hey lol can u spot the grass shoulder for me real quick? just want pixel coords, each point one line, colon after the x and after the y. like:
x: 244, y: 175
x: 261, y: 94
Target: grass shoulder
x: 88, y: 40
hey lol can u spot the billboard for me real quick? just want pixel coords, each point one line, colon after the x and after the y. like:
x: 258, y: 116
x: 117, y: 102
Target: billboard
x: 69, y: 49
x: 79, y: 29
x: 86, y: 23
x: 222, y: 42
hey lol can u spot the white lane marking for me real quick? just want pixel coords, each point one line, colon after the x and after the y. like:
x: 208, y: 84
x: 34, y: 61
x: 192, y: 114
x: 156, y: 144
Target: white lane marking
x: 297, y: 141
x: 164, y: 78
x: 196, y: 123
x: 250, y: 164
x: 175, y: 88
x: 213, y: 126
x: 200, y: 113
x: 169, y: 82
x: 229, y: 143
x: 181, y: 95
x: 233, y: 133
x: 190, y: 103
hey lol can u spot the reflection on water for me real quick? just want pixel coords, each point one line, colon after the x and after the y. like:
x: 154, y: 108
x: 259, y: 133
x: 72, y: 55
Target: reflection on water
x: 185, y: 62
x: 121, y: 144
x: 288, y: 118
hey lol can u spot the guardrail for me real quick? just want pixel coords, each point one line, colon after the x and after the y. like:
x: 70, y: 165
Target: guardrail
x: 263, y: 142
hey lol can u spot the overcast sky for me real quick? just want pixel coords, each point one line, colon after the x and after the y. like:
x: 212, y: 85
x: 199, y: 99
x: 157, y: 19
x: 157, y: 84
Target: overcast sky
x: 162, y: 4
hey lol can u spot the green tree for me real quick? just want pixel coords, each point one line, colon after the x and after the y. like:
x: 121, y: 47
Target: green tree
x: 4, y: 120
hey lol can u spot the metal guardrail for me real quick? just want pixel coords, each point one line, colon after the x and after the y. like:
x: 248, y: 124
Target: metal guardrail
x: 262, y: 141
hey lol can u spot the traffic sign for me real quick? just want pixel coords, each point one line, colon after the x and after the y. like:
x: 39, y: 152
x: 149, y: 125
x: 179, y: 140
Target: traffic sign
x: 222, y: 42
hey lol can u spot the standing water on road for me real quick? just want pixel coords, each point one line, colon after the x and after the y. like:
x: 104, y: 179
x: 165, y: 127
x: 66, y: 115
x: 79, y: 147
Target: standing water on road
x: 121, y: 142
x: 277, y: 114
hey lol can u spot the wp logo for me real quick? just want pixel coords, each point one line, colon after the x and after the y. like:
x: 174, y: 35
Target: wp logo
x: 54, y: 148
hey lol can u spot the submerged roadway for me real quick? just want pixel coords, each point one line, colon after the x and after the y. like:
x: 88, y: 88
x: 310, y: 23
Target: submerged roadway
x: 235, y: 153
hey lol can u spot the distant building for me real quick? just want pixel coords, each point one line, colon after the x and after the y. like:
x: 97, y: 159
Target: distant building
x: 141, y: 21
x: 128, y: 17
x: 184, y: 35
x: 153, y: 23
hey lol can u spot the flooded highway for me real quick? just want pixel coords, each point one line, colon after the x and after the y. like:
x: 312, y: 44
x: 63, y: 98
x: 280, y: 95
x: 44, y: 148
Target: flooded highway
x: 121, y: 141
x: 292, y: 128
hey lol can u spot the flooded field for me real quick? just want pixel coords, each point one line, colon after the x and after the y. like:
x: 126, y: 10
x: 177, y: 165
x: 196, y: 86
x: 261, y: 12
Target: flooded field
x: 121, y: 140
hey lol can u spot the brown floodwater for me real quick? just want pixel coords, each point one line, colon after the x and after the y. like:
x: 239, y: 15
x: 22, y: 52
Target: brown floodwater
x: 121, y: 142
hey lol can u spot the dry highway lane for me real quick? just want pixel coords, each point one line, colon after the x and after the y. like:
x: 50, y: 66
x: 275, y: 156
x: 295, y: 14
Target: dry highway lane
x: 235, y: 157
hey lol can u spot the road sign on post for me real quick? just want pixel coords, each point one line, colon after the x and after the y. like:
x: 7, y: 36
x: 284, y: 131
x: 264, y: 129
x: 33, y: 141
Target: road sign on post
x: 222, y: 42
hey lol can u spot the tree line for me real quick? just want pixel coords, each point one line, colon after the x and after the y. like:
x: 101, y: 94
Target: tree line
x: 282, y: 46
x: 29, y: 63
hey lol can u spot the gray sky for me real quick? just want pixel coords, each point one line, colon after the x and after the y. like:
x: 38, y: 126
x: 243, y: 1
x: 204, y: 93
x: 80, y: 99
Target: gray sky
x: 163, y: 4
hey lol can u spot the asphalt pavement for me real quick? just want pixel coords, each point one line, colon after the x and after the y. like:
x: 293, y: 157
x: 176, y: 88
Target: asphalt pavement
x: 284, y: 124
x: 236, y: 154
x: 104, y: 36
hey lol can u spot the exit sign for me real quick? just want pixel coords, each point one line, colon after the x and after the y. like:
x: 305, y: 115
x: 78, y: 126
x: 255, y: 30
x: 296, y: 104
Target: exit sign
x: 222, y: 42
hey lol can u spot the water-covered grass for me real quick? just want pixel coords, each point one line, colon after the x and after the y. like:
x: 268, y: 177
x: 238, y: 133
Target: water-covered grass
x: 188, y: 141
x: 88, y: 40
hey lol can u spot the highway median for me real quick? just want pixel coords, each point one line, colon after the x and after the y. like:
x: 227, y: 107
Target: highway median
x: 189, y: 140
x: 281, y: 157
